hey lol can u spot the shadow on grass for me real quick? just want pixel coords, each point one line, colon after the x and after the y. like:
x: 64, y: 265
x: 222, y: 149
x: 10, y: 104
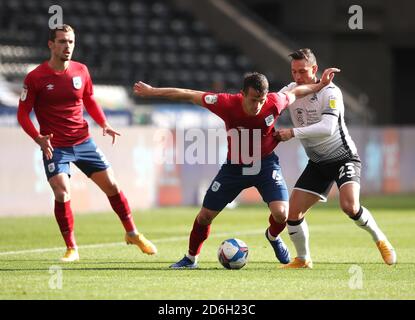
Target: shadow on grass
x: 204, y: 266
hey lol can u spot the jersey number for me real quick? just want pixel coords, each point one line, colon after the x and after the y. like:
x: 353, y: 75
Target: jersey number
x: 347, y: 170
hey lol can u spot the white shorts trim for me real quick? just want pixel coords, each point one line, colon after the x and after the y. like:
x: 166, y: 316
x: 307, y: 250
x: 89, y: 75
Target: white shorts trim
x: 347, y: 182
x: 322, y: 198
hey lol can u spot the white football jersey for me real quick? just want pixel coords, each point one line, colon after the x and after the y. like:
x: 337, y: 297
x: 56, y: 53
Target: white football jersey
x: 309, y: 110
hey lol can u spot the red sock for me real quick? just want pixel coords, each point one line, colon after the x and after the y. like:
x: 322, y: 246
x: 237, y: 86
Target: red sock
x: 198, y: 235
x: 64, y: 217
x: 120, y: 205
x: 275, y: 228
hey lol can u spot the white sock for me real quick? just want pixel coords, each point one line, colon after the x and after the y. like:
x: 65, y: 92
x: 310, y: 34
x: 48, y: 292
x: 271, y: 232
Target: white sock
x: 132, y: 233
x: 271, y: 237
x: 192, y: 258
x: 368, y: 223
x: 299, y: 235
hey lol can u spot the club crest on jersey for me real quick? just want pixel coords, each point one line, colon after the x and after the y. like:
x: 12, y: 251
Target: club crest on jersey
x: 23, y: 95
x: 269, y: 120
x: 215, y: 186
x: 77, y: 82
x: 51, y: 167
x: 277, y: 177
x: 211, y: 98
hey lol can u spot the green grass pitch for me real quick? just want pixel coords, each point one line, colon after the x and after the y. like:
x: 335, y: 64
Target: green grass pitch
x: 30, y: 248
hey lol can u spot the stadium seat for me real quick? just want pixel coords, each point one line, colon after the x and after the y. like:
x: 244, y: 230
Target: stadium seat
x: 116, y: 39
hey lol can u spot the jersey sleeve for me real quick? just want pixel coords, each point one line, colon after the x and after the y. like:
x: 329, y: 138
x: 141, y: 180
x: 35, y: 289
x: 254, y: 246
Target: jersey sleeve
x: 89, y: 89
x: 288, y: 87
x: 26, y: 104
x: 332, y: 101
x: 281, y: 100
x: 216, y: 103
x: 91, y: 105
x: 324, y: 128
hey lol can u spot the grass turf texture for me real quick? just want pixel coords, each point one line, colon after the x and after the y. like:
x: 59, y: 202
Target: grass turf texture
x: 109, y: 269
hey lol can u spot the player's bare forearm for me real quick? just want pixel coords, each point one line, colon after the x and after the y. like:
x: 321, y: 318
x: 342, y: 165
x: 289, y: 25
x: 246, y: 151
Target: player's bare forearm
x: 177, y: 94
x: 306, y: 89
x: 144, y: 90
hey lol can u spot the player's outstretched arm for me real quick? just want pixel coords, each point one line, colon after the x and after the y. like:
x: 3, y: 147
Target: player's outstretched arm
x: 306, y: 89
x: 144, y: 90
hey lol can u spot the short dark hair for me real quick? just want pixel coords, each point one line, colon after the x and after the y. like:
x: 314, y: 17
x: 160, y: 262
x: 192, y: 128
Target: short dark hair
x: 304, y: 53
x: 64, y: 28
x: 256, y: 81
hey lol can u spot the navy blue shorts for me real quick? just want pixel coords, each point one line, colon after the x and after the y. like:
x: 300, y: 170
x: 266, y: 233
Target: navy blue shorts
x: 230, y: 181
x: 86, y: 156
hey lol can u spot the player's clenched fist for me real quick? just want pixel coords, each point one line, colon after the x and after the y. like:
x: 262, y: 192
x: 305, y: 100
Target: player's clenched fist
x: 142, y: 89
x: 328, y: 75
x: 284, y: 134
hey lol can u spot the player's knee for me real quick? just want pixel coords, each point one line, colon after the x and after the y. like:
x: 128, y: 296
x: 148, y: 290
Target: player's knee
x: 350, y: 208
x: 204, y: 220
x: 280, y: 214
x: 61, y: 194
x: 205, y: 217
x: 295, y: 215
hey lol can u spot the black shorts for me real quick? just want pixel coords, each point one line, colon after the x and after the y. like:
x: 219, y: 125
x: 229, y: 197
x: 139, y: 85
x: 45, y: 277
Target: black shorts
x: 318, y: 178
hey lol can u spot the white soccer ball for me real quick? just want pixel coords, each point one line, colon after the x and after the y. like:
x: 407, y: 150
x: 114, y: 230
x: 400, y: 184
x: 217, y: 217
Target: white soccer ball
x: 233, y: 254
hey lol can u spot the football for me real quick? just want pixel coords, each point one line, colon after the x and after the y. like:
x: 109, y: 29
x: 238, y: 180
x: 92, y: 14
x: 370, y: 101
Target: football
x: 233, y: 254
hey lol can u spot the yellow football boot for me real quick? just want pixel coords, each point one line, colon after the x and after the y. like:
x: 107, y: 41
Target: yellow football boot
x: 139, y: 240
x: 298, y: 263
x: 387, y: 251
x: 71, y: 255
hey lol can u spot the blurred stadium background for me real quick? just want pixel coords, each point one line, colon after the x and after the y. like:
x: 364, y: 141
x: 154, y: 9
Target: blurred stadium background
x: 207, y: 45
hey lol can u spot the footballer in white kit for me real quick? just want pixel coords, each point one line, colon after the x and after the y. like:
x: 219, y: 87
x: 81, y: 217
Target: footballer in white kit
x: 319, y: 124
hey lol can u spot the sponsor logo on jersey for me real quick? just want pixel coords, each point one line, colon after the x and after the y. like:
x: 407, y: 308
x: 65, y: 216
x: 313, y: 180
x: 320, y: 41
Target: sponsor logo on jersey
x: 269, y: 120
x: 51, y: 167
x: 23, y: 95
x: 215, y: 186
x: 211, y: 98
x: 77, y: 82
x: 332, y: 103
x: 50, y: 86
x: 299, y: 114
x: 313, y: 98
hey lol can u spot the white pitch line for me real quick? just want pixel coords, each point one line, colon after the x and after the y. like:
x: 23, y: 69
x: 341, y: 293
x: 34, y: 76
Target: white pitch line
x: 112, y: 244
